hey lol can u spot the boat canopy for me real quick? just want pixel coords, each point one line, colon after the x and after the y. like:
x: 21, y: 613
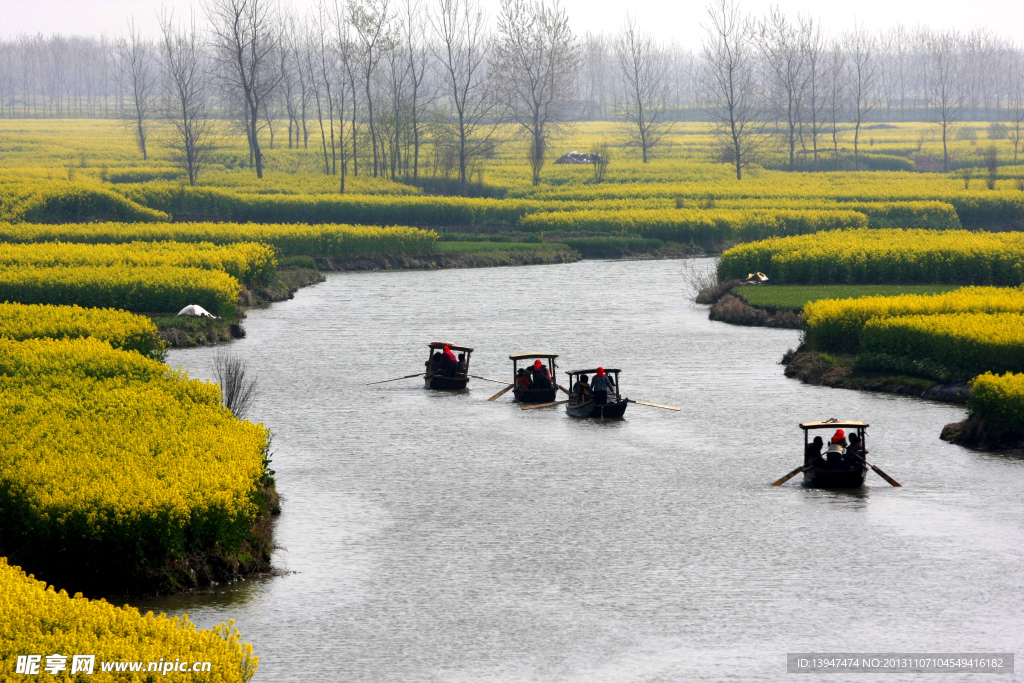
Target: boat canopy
x: 523, y: 356
x: 592, y: 371
x: 832, y: 424
x: 453, y: 347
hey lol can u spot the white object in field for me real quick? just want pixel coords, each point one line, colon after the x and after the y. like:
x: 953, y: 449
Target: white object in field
x: 196, y: 311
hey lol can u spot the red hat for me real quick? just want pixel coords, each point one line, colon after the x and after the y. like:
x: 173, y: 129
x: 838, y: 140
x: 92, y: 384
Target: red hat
x: 600, y: 372
x: 446, y: 349
x: 537, y: 364
x: 840, y: 434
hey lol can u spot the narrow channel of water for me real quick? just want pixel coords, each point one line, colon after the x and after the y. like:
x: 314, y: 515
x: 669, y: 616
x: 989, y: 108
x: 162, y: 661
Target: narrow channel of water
x: 439, y: 537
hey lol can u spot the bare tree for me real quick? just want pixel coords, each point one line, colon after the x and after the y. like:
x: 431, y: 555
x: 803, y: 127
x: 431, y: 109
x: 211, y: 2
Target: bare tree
x: 186, y: 99
x: 245, y: 41
x: 836, y: 95
x: 239, y: 386
x: 420, y: 91
x: 135, y: 56
x: 642, y: 69
x: 780, y: 45
x: 535, y: 61
x: 371, y: 20
x: 813, y: 47
x: 1015, y: 103
x: 729, y: 81
x: 946, y: 87
x: 460, y: 50
x: 862, y: 75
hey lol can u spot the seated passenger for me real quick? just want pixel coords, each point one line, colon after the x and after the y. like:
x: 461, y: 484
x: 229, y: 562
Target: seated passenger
x: 813, y: 451
x: 434, y: 364
x: 603, y: 388
x: 582, y: 388
x: 462, y: 364
x: 855, y: 454
x: 541, y: 376
x: 449, y: 363
x: 522, y: 379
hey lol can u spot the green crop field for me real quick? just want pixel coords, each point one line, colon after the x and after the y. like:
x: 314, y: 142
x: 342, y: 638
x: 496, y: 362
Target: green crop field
x: 794, y: 297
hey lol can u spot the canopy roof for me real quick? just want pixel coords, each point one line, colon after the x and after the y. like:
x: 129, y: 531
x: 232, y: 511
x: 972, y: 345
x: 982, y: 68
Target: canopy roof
x: 592, y: 371
x: 453, y: 347
x: 830, y: 424
x: 522, y: 356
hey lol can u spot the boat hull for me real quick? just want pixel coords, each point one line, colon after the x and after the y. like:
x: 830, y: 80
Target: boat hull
x: 442, y: 383
x: 589, y: 409
x: 845, y: 478
x: 535, y: 395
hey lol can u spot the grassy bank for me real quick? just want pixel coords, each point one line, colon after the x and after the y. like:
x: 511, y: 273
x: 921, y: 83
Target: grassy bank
x: 794, y: 297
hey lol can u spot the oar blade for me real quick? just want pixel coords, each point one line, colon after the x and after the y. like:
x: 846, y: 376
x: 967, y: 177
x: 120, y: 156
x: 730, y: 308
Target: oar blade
x: 500, y: 393
x: 789, y: 476
x: 883, y: 475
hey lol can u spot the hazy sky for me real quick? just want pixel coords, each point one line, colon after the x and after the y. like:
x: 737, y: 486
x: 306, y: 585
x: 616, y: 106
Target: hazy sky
x: 666, y: 19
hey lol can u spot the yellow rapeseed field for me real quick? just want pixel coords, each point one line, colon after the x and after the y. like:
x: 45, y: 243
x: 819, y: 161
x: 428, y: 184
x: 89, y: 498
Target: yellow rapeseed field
x: 120, y: 329
x: 36, y: 620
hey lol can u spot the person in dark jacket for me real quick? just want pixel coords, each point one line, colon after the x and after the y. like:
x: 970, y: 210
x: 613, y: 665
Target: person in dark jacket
x: 813, y: 450
x: 541, y: 375
x: 449, y: 363
x: 462, y: 364
x: 603, y: 387
x: 855, y: 452
x: 434, y: 364
x: 582, y: 388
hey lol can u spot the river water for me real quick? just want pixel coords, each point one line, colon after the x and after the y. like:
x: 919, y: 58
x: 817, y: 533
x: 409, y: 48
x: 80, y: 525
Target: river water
x: 439, y: 537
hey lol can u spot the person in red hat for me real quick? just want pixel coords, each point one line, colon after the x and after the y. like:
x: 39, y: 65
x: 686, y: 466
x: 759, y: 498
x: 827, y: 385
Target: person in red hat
x: 541, y: 375
x: 603, y: 387
x: 836, y: 448
x: 449, y: 363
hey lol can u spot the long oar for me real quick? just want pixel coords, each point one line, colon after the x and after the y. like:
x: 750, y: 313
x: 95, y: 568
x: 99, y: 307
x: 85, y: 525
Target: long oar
x: 418, y: 374
x: 879, y: 472
x: 789, y: 476
x: 654, y: 405
x: 496, y: 381
x: 544, y: 405
x: 563, y: 388
x: 501, y: 393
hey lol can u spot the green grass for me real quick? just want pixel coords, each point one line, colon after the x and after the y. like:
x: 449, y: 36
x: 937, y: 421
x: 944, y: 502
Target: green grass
x: 793, y: 297
x: 477, y: 247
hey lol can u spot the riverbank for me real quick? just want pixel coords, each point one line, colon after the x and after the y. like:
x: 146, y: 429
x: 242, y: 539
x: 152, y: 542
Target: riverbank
x: 975, y: 433
x: 214, y: 566
x: 728, y: 308
x: 839, y: 371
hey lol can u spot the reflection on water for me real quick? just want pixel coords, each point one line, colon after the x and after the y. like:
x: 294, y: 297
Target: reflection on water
x: 441, y: 537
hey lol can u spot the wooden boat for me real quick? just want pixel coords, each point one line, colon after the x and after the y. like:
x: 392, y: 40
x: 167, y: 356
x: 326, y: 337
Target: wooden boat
x: 433, y: 378
x: 834, y: 471
x: 593, y: 406
x: 524, y: 395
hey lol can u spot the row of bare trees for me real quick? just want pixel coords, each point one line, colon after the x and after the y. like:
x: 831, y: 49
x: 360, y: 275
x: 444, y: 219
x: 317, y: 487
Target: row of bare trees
x: 774, y: 79
x: 377, y: 82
